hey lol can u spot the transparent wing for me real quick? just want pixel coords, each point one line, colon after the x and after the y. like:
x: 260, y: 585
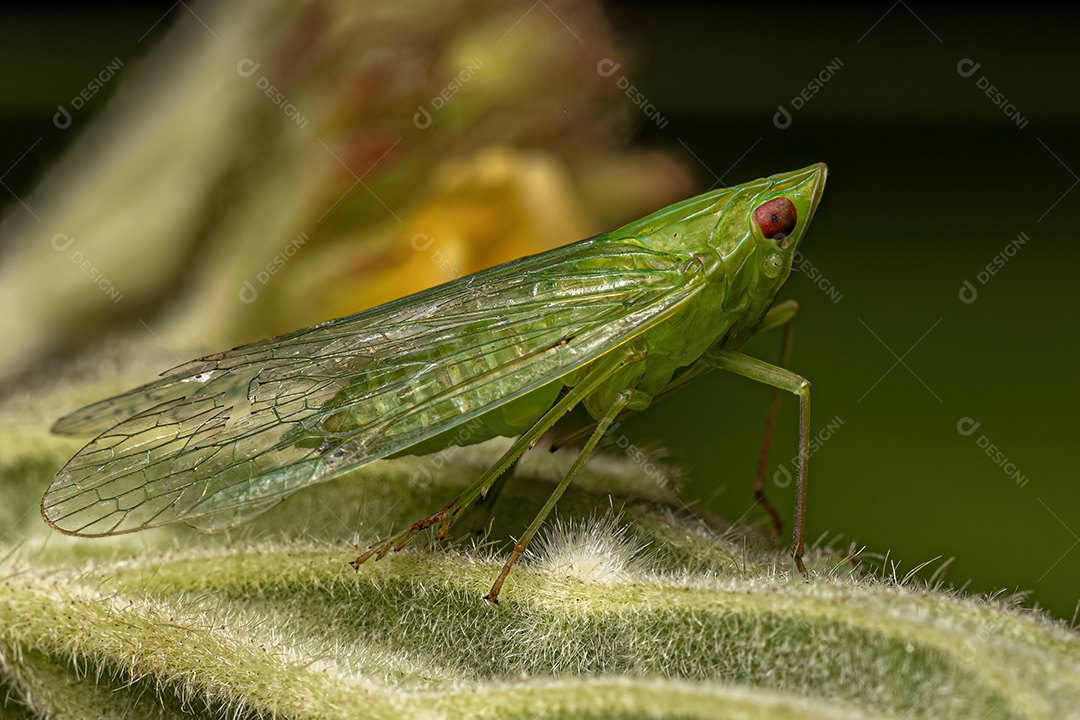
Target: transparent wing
x: 221, y: 439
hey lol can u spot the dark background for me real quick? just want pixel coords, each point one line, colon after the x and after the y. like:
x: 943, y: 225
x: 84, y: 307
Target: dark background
x: 929, y: 181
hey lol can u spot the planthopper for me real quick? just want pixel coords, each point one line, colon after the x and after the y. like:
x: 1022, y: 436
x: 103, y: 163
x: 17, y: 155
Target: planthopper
x: 611, y: 322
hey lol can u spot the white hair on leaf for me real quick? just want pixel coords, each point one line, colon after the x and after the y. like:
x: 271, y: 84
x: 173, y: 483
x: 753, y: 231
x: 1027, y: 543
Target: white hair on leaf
x: 593, y: 549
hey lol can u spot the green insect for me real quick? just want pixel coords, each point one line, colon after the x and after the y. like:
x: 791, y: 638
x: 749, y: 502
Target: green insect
x: 611, y: 322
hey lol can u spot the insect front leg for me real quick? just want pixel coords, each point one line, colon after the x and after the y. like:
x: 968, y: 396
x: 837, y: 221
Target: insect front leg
x: 781, y: 379
x: 603, y: 369
x: 780, y: 315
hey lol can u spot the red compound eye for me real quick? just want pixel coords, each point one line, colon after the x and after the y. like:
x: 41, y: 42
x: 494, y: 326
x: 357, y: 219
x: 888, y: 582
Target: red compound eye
x: 776, y: 218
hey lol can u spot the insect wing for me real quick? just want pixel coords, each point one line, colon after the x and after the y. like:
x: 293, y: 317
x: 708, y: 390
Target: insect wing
x: 221, y: 439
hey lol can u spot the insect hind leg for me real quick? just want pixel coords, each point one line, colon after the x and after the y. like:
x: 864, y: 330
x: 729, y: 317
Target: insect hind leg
x: 380, y: 549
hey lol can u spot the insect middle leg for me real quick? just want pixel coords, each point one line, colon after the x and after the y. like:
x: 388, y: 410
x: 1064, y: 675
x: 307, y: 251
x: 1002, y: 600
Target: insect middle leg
x: 626, y: 398
x: 445, y: 518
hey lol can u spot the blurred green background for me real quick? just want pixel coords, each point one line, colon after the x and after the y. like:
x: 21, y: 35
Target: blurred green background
x: 929, y: 181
